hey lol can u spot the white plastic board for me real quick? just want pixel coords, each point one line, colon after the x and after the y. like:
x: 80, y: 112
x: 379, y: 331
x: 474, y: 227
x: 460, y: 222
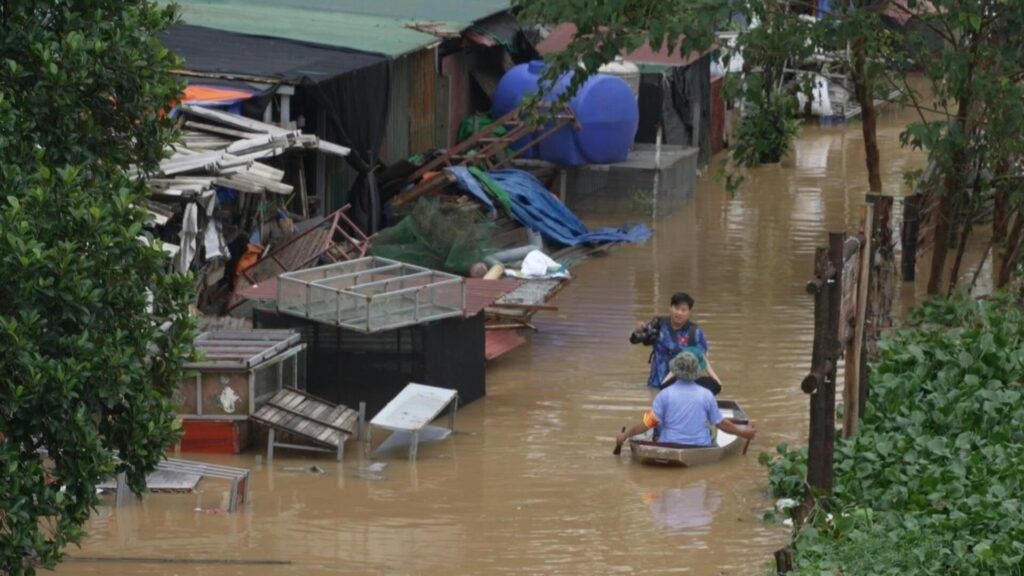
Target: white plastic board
x: 415, y: 406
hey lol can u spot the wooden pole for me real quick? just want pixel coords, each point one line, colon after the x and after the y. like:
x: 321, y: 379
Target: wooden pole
x: 813, y: 384
x: 300, y: 169
x: 836, y: 242
x: 854, y: 350
x: 881, y: 287
x: 909, y: 232
x: 784, y: 561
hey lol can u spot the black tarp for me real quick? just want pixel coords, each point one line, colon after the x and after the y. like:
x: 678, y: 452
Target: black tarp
x: 689, y: 96
x: 216, y: 51
x: 351, y: 86
x: 678, y: 100
x: 348, y: 367
x: 649, y: 101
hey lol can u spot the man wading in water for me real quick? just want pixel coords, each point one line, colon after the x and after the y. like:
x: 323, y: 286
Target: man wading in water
x: 684, y: 410
x: 670, y: 335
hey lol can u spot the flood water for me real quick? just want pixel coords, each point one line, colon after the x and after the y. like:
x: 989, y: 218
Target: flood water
x: 528, y: 485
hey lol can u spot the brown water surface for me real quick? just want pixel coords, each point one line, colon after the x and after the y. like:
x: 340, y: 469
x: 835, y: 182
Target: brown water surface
x: 528, y: 485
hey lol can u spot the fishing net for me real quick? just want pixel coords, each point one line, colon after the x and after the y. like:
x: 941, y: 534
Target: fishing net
x: 437, y: 235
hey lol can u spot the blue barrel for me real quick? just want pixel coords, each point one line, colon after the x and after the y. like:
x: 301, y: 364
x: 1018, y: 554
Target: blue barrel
x: 605, y: 107
x: 517, y: 82
x: 608, y: 111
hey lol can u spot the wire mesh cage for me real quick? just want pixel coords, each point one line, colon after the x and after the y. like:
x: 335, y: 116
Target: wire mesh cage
x: 371, y: 294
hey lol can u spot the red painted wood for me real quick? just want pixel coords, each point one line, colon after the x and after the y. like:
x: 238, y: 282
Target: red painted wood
x: 214, y: 436
x: 498, y: 342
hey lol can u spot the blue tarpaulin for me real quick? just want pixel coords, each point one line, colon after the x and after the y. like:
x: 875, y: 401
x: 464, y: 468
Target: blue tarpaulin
x: 534, y: 207
x: 468, y: 183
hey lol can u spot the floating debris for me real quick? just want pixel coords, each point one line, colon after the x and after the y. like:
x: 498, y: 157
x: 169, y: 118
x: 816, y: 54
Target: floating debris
x: 313, y: 469
x: 377, y: 467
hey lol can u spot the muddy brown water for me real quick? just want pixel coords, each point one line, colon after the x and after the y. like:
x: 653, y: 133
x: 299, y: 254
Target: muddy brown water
x: 528, y: 485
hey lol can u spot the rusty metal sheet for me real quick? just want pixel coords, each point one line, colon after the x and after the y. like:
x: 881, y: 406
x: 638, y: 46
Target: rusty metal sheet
x: 422, y: 95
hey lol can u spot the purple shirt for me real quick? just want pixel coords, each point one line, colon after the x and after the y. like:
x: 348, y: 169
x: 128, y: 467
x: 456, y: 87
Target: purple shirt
x: 684, y: 410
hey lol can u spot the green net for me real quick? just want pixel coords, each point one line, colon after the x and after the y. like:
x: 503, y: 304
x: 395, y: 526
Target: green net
x: 439, y: 236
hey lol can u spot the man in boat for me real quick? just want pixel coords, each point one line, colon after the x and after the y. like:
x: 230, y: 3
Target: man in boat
x: 670, y: 335
x: 684, y: 409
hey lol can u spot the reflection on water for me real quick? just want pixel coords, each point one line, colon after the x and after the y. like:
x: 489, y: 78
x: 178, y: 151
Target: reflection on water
x: 688, y: 510
x: 528, y: 485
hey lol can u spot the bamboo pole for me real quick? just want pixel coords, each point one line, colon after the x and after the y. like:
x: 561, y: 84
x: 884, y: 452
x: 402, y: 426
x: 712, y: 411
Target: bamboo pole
x: 851, y: 387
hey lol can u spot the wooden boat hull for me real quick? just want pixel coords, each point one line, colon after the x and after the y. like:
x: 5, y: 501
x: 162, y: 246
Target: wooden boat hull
x: 658, y: 453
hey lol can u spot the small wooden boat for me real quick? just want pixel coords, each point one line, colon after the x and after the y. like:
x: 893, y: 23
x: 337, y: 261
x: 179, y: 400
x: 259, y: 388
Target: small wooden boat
x: 686, y: 455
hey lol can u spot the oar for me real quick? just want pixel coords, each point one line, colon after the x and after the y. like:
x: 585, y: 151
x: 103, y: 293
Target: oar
x: 742, y: 422
x: 618, y: 447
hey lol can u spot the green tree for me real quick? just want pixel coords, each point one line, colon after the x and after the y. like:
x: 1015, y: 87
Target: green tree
x: 972, y: 125
x: 93, y: 330
x: 971, y: 118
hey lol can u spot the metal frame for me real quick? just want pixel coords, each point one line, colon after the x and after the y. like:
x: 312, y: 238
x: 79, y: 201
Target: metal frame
x: 359, y: 304
x: 240, y: 478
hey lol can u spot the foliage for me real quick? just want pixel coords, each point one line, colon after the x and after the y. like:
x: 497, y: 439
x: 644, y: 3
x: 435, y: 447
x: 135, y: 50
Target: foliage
x: 971, y: 118
x: 764, y: 135
x: 93, y: 329
x: 932, y: 483
x: 606, y: 29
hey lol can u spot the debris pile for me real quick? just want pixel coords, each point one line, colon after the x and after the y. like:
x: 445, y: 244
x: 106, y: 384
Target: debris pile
x: 223, y: 195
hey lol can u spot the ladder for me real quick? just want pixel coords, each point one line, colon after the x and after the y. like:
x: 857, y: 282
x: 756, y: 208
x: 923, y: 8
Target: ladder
x: 487, y: 149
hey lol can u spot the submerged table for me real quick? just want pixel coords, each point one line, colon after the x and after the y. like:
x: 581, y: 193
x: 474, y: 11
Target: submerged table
x: 409, y: 414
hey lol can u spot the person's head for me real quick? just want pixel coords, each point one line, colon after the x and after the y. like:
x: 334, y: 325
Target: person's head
x: 686, y: 366
x: 681, y: 305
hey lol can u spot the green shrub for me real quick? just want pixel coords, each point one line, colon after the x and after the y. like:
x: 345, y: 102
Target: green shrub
x: 93, y: 330
x: 932, y: 484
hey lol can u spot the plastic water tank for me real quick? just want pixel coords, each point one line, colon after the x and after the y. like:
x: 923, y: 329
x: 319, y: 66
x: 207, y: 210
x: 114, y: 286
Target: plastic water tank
x: 605, y: 107
x: 608, y: 115
x: 517, y: 82
x: 628, y: 71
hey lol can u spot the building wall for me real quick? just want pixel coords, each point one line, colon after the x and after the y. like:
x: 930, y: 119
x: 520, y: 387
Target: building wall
x: 396, y: 142
x: 422, y: 98
x: 413, y: 115
x: 454, y: 70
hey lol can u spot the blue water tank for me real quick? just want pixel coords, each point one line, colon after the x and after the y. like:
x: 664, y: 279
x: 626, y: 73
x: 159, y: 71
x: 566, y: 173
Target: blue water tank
x: 605, y: 107
x: 516, y: 83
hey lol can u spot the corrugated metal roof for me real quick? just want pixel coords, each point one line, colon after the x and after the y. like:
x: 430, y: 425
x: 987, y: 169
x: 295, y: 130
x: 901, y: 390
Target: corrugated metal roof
x: 382, y: 26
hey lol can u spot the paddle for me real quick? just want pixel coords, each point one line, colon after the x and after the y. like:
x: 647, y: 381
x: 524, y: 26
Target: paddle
x: 618, y: 447
x: 742, y: 422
